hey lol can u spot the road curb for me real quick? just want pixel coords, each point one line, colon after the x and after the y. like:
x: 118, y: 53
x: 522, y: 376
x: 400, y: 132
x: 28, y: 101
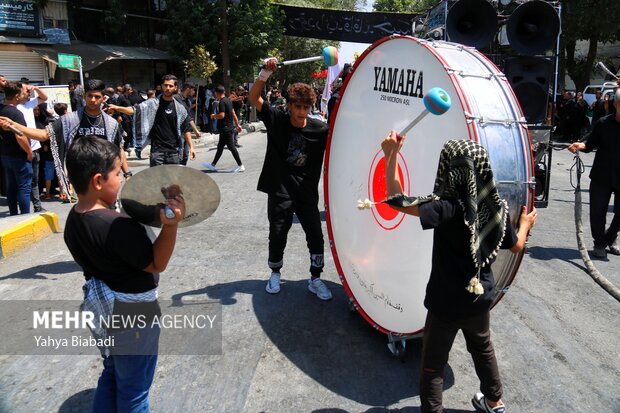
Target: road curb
x: 27, y: 232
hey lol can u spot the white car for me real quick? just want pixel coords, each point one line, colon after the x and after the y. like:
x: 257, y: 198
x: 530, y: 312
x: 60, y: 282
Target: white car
x: 589, y: 93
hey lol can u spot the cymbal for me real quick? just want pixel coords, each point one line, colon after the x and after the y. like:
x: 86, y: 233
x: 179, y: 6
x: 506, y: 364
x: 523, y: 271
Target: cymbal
x: 142, y: 196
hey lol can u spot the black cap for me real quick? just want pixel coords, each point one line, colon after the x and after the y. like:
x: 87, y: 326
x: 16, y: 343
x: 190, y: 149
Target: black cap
x: 220, y: 89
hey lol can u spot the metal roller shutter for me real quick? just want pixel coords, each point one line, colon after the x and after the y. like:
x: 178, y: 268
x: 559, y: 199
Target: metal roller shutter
x: 15, y: 65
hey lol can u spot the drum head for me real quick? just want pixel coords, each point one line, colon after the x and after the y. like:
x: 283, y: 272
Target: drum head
x: 383, y: 256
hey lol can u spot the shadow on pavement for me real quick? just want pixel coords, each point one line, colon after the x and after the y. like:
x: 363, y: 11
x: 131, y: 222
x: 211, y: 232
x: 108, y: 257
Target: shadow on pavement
x: 40, y: 271
x: 386, y: 410
x: 78, y: 403
x: 329, y: 342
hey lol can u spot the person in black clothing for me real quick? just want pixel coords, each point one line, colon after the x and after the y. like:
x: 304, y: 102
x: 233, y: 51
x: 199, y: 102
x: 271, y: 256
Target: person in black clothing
x: 471, y: 223
x: 163, y: 122
x: 16, y: 152
x: 336, y: 86
x: 567, y: 112
x: 186, y: 98
x: 290, y: 176
x: 228, y: 124
x: 120, y: 264
x: 598, y: 107
x: 604, y: 180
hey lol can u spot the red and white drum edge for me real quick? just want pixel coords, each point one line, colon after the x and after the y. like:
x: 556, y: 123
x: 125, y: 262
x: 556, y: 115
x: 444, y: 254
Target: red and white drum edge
x: 383, y: 257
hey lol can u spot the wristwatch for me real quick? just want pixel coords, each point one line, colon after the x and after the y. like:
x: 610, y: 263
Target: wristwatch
x: 127, y: 174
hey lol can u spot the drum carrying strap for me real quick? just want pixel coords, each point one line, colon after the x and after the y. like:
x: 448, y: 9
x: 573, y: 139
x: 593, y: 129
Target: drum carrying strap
x: 464, y: 173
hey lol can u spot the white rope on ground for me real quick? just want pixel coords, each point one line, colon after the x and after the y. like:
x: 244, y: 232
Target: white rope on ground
x: 594, y: 273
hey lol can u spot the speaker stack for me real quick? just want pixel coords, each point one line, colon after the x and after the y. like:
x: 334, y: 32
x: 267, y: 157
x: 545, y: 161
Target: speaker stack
x: 521, y: 38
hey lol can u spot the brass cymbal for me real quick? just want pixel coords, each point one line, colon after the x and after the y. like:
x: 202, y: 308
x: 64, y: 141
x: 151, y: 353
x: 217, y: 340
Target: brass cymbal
x: 143, y: 195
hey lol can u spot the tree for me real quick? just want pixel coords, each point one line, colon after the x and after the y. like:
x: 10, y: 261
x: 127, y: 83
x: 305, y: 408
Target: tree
x: 200, y: 64
x: 404, y: 6
x: 593, y: 21
x: 254, y: 27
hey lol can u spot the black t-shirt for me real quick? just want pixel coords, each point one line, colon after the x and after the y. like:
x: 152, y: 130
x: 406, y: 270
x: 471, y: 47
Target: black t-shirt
x: 86, y: 128
x: 227, y: 124
x: 605, y: 138
x: 294, y: 157
x: 92, y: 126
x: 164, y: 132
x: 112, y: 247
x: 452, y: 264
x: 8, y: 143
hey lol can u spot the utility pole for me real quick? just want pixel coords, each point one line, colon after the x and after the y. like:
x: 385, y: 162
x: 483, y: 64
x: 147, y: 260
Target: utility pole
x: 225, y: 51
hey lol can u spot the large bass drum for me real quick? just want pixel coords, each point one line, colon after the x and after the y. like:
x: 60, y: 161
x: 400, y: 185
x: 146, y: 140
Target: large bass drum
x: 383, y: 257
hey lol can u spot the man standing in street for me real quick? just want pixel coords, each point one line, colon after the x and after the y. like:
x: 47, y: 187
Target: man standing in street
x: 186, y: 99
x: 290, y: 176
x: 163, y: 122
x: 16, y: 152
x: 604, y: 180
x: 26, y: 107
x: 227, y: 119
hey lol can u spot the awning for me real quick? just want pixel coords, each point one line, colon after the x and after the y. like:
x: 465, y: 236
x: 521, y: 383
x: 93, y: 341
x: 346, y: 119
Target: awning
x: 94, y: 55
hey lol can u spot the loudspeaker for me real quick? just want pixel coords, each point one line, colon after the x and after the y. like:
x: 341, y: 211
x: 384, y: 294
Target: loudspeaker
x: 530, y: 78
x: 472, y: 23
x: 533, y: 27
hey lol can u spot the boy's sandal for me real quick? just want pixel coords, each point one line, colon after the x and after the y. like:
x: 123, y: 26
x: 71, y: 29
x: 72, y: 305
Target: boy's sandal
x: 480, y: 404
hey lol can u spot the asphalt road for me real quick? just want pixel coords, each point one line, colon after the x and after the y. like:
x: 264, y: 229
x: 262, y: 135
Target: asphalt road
x: 556, y: 332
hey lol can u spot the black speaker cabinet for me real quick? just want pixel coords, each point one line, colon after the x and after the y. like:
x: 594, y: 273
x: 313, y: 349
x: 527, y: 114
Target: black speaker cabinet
x: 530, y: 77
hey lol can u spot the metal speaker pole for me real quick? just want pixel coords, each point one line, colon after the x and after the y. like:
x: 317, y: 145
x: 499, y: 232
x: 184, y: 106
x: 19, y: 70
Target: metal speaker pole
x: 472, y: 23
x: 533, y: 27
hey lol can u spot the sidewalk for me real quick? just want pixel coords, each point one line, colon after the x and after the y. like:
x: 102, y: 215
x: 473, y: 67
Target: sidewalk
x: 19, y: 231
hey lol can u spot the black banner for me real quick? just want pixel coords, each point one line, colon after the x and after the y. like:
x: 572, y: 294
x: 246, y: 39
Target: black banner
x: 346, y: 26
x: 19, y: 17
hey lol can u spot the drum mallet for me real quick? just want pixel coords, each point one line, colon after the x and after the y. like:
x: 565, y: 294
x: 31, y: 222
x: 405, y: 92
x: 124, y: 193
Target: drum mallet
x: 329, y: 56
x: 436, y: 101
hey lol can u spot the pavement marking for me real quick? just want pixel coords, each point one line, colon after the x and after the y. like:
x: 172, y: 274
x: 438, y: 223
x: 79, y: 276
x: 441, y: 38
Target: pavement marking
x: 27, y: 233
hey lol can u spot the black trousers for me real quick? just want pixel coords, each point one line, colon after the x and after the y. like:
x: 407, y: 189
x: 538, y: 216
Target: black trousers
x: 226, y: 140
x: 439, y: 336
x: 35, y: 196
x: 164, y: 158
x: 600, y: 194
x: 280, y: 212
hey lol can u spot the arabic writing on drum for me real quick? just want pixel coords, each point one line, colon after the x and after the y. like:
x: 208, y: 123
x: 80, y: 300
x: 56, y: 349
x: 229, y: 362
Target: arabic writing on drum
x: 376, y: 295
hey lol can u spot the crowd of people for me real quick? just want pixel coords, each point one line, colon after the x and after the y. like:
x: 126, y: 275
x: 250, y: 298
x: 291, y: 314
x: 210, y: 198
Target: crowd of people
x: 574, y: 118
x: 88, y: 149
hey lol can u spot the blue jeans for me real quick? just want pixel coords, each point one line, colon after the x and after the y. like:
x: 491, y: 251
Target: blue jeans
x: 18, y: 172
x: 126, y: 379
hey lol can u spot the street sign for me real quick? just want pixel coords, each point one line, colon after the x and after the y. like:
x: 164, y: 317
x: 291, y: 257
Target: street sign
x: 69, y: 61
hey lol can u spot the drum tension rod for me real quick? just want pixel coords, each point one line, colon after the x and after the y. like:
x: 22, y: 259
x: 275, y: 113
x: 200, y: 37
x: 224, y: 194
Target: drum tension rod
x: 484, y: 121
x: 463, y: 74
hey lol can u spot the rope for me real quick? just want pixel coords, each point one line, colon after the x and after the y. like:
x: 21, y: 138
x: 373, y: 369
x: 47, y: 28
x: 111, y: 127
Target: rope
x: 614, y: 291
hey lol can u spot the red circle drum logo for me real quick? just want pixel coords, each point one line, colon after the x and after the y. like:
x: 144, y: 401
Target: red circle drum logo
x: 386, y: 217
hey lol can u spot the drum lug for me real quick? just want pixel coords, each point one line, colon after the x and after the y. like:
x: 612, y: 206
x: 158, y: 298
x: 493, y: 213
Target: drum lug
x: 532, y: 184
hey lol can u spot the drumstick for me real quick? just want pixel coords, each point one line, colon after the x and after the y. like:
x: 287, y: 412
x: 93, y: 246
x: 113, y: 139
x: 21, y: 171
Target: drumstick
x: 329, y: 57
x: 436, y: 101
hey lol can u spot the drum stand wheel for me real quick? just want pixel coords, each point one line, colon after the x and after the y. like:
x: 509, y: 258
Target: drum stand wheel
x: 398, y: 344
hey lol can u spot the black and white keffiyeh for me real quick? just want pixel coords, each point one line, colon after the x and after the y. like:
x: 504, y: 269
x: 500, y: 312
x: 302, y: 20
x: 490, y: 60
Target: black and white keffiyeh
x: 464, y: 173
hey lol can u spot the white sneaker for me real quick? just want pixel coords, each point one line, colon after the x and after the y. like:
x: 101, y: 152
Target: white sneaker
x: 273, y: 285
x: 209, y: 167
x: 240, y: 168
x: 319, y: 288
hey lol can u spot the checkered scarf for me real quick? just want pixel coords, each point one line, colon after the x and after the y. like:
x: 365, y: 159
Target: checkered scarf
x: 464, y: 173
x: 144, y: 119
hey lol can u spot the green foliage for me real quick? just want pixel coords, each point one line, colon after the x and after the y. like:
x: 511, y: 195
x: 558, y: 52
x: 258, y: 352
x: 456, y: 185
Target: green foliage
x: 590, y: 20
x: 200, y: 64
x: 115, y: 18
x: 254, y: 28
x: 404, y: 6
x: 296, y: 48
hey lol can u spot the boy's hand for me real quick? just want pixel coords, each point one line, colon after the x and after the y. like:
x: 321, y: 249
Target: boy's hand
x: 177, y: 204
x: 526, y: 220
x: 391, y: 144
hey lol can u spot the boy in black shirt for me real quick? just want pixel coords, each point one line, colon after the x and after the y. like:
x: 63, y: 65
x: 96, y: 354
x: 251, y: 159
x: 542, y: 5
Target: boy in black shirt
x: 471, y: 224
x: 119, y: 262
x: 290, y: 176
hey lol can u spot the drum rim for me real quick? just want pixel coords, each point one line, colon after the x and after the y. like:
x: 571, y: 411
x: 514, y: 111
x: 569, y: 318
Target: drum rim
x: 473, y: 135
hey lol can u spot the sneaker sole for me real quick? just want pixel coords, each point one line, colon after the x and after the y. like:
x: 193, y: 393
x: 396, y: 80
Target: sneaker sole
x: 319, y: 297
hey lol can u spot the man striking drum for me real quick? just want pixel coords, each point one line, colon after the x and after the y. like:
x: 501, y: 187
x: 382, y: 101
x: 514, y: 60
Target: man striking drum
x: 471, y: 224
x: 290, y: 175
